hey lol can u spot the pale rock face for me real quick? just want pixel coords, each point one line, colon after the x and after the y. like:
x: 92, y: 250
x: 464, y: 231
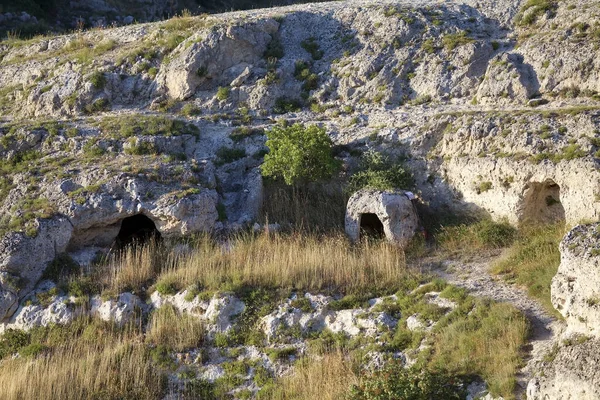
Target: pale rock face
x: 351, y: 322
x: 60, y: 310
x: 393, y: 209
x: 413, y: 323
x: 224, y: 54
x: 572, y: 375
x: 195, y: 307
x: 507, y: 80
x: 575, y: 288
x: 221, y: 310
x: 120, y: 310
x: 25, y: 258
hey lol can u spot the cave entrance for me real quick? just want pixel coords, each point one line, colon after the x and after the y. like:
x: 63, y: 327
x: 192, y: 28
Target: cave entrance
x: 371, y: 226
x: 541, y: 204
x: 136, y: 230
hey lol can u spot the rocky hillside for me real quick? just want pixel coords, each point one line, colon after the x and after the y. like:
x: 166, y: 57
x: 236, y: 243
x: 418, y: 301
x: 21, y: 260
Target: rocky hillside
x: 495, y: 109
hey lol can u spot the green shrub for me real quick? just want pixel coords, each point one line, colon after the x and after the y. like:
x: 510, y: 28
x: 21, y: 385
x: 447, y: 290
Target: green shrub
x: 396, y: 382
x: 61, y: 268
x: 380, y: 171
x: 303, y: 304
x: 226, y: 155
x: 12, y: 340
x: 132, y: 125
x: 139, y: 148
x: 285, y: 105
x: 281, y: 354
x: 33, y: 350
x: 97, y: 79
x: 299, y: 154
x: 223, y: 93
x: 312, y: 47
x: 97, y: 106
x: 274, y: 49
x: 534, y: 9
x: 454, y: 40
x: 484, y: 187
x: 166, y: 287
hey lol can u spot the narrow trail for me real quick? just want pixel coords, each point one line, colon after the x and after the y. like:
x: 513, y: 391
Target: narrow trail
x: 475, y: 276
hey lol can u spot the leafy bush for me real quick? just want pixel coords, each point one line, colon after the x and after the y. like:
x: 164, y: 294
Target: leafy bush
x: 11, y: 341
x: 97, y: 79
x: 97, y: 106
x: 380, y: 171
x: 453, y: 40
x: 285, y: 105
x: 312, y: 47
x: 274, y: 49
x: 397, y: 382
x: 299, y: 154
x: 223, y: 93
x: 226, y: 155
x: 61, y: 268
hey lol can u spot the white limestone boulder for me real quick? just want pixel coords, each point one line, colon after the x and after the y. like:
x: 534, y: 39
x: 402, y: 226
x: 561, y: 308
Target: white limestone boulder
x: 393, y: 210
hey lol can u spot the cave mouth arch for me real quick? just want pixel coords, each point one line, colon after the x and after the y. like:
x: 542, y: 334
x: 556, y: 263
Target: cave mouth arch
x: 136, y: 230
x: 541, y: 204
x: 371, y: 226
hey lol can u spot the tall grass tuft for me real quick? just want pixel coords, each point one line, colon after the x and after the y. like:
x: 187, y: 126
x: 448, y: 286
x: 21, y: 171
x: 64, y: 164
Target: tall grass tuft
x: 316, y: 208
x: 297, y: 261
x: 328, y: 378
x: 179, y: 332
x: 107, y: 364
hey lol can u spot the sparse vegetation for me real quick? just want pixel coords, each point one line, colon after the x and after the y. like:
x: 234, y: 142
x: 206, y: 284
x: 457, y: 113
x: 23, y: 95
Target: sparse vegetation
x: 380, y: 171
x: 533, y: 261
x: 532, y: 10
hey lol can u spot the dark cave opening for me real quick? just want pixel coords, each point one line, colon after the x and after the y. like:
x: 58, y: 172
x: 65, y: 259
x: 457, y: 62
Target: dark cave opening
x: 371, y: 226
x: 136, y: 230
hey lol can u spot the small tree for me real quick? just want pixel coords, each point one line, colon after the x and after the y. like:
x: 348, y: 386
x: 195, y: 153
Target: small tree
x: 299, y: 154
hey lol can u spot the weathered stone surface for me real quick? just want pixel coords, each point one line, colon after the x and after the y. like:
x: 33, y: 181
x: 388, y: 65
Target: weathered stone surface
x: 573, y: 374
x: 120, y: 310
x: 222, y: 57
x: 576, y: 286
x: 25, y: 258
x: 393, y: 209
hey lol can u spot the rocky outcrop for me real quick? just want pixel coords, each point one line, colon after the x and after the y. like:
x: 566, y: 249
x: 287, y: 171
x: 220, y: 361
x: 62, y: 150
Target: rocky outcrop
x: 392, y: 212
x: 572, y: 374
x: 224, y: 57
x: 570, y: 369
x: 576, y: 288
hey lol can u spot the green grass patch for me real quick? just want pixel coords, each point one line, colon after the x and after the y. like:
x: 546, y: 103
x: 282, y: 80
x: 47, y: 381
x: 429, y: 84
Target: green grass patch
x: 533, y: 260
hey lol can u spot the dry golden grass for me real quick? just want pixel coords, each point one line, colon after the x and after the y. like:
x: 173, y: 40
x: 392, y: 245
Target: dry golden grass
x: 113, y: 367
x: 304, y: 262
x: 328, y: 378
x: 131, y: 268
x: 179, y: 332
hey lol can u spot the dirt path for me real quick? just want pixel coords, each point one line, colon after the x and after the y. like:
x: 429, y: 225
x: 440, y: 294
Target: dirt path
x: 475, y: 277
